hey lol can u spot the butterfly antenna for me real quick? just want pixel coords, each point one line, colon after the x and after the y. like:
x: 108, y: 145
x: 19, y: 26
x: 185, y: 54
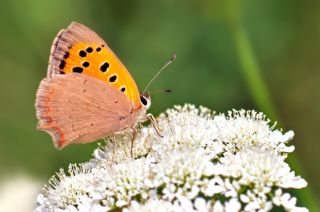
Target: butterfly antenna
x: 161, y: 91
x: 157, y: 74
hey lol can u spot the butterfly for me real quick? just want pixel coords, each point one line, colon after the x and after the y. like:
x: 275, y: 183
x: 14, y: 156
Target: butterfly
x: 88, y: 93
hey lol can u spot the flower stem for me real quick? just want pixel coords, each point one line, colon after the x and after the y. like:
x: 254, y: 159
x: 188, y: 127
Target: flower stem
x: 262, y: 98
x: 252, y: 74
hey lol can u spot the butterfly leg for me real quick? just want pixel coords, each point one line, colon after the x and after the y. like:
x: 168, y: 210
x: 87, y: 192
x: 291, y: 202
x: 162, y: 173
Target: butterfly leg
x: 111, y: 140
x: 154, y: 124
x: 134, y: 135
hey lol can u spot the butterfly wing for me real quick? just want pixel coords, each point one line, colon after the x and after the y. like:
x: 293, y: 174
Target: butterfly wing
x: 78, y: 49
x: 77, y: 108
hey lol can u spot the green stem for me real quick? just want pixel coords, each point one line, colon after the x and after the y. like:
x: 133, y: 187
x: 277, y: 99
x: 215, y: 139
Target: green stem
x: 252, y: 74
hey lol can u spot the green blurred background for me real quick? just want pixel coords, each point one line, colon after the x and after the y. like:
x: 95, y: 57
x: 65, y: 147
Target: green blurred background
x: 261, y: 55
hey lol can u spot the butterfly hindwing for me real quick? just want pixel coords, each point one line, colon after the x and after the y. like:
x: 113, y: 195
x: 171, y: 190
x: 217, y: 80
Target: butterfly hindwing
x: 68, y: 111
x: 78, y: 49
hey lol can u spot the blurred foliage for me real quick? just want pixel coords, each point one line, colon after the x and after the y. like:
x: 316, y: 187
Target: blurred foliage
x: 216, y: 42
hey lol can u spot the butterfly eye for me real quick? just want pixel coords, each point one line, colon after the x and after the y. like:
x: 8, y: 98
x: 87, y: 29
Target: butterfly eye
x: 145, y: 100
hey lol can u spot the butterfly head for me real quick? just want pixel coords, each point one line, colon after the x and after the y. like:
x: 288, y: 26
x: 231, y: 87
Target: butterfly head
x: 145, y: 100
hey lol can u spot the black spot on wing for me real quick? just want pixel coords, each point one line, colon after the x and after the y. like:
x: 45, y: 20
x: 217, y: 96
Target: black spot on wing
x: 77, y: 70
x: 62, y: 64
x: 86, y: 64
x: 113, y: 78
x: 89, y: 50
x: 82, y: 53
x: 104, y: 66
x: 66, y: 55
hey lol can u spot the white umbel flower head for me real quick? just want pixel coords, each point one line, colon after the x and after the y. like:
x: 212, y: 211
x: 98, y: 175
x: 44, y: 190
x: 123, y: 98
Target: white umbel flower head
x: 66, y: 191
x: 261, y: 168
x: 180, y: 173
x: 197, y: 162
x: 183, y: 126
x: 247, y: 129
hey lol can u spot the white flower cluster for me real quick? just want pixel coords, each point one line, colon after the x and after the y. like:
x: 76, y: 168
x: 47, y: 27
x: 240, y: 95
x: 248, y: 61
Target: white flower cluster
x: 199, y: 162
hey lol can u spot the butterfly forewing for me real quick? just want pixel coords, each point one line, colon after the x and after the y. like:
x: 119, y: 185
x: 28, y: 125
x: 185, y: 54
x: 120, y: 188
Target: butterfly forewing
x: 78, y: 49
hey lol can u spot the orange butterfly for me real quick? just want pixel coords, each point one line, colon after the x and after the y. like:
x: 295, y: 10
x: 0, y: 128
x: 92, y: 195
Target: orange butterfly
x: 88, y: 93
